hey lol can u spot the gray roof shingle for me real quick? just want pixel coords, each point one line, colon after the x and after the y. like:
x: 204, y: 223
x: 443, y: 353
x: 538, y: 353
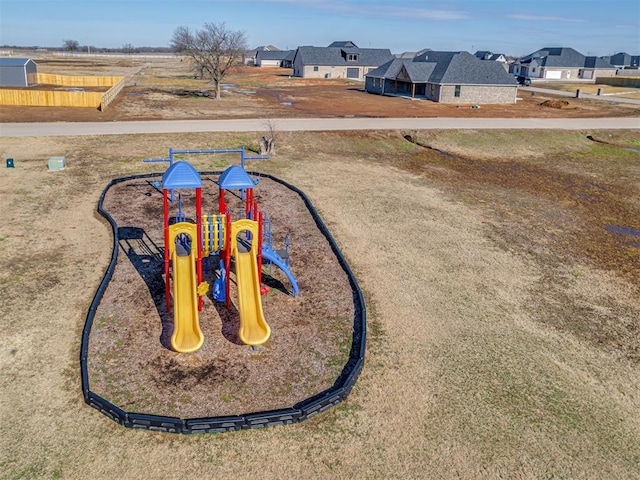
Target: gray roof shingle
x: 13, y: 61
x: 563, y: 57
x: 337, y: 56
x: 446, y: 68
x: 274, y: 54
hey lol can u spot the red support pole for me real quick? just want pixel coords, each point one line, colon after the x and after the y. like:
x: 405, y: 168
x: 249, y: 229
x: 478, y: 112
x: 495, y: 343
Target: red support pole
x: 221, y: 205
x: 260, y: 227
x: 199, y: 240
x: 166, y: 251
x: 248, y: 202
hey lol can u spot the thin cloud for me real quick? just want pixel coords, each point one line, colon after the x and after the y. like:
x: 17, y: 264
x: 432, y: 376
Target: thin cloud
x: 420, y: 13
x: 349, y: 8
x: 542, y: 18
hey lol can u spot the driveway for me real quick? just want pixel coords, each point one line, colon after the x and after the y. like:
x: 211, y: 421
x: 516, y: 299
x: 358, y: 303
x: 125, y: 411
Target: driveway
x: 310, y: 124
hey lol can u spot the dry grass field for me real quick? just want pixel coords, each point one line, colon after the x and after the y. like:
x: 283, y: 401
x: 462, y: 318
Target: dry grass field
x: 161, y: 89
x: 501, y: 274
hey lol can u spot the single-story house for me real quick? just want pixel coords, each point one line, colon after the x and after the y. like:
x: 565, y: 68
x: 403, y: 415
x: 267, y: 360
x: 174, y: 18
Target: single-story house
x: 250, y: 55
x: 18, y: 72
x: 446, y: 77
x: 561, y: 63
x: 338, y: 60
x: 275, y: 58
x: 623, y: 60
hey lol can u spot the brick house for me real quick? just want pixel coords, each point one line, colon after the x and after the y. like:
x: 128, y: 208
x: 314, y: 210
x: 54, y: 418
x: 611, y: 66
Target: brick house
x: 446, y: 77
x: 338, y: 60
x: 561, y: 63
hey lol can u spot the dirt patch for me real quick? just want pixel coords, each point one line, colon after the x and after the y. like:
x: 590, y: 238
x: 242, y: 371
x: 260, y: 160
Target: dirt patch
x: 157, y: 89
x: 130, y: 360
x: 560, y: 104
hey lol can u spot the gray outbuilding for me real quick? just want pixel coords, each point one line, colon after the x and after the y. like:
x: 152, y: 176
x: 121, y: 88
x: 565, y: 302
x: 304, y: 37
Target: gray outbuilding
x: 18, y: 72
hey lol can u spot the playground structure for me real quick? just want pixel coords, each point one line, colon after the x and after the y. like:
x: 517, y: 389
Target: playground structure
x: 220, y: 240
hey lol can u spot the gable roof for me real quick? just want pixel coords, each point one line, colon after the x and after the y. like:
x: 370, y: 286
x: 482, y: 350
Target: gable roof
x: 14, y: 61
x: 338, y: 56
x: 445, y: 68
x: 274, y: 54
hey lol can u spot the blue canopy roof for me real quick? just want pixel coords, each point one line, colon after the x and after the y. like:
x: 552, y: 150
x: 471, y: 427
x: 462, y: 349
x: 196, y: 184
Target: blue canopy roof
x: 181, y: 175
x: 235, y: 177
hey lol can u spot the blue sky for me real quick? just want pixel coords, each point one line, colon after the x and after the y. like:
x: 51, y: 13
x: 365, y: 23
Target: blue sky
x: 514, y: 27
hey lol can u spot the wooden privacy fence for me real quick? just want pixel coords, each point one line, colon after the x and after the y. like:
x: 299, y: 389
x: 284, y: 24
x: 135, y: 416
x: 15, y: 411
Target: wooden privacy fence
x: 77, y: 80
x: 65, y: 98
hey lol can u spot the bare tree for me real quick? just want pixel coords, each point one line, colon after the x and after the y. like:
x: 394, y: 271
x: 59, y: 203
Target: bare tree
x: 268, y: 140
x: 213, y: 50
x: 128, y: 48
x: 70, y: 45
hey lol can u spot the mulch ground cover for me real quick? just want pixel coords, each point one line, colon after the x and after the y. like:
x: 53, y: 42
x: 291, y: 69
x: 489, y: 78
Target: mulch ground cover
x: 130, y: 361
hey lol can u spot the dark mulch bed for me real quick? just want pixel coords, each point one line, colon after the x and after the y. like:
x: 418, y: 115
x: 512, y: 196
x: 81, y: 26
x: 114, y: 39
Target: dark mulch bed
x: 130, y: 362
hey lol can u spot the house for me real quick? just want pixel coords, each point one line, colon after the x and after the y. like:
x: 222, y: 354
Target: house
x: 250, y: 55
x: 494, y: 57
x: 18, y: 72
x: 274, y: 58
x: 338, y: 60
x: 446, y: 77
x: 623, y: 60
x: 486, y: 55
x: 561, y: 63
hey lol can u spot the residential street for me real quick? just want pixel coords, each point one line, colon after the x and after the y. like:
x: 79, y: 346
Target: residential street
x: 310, y: 124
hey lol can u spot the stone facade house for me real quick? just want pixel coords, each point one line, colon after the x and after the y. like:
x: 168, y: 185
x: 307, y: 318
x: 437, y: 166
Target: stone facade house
x: 446, y: 77
x: 338, y: 60
x: 561, y: 63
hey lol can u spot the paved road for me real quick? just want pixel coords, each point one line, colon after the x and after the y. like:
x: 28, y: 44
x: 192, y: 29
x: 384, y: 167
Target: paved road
x: 309, y: 124
x: 561, y: 93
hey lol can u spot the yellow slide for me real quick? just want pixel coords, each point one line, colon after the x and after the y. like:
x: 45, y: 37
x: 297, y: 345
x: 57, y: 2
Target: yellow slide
x: 187, y: 336
x: 254, y: 330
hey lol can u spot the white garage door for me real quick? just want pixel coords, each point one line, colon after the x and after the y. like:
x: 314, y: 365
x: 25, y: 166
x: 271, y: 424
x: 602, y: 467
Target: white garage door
x: 553, y: 74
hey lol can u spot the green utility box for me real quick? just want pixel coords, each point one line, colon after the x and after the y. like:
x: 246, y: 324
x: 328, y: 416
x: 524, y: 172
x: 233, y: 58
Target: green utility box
x: 57, y: 163
x: 9, y: 162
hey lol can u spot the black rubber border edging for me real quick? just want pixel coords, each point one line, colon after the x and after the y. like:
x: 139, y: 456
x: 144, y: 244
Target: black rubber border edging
x: 297, y: 413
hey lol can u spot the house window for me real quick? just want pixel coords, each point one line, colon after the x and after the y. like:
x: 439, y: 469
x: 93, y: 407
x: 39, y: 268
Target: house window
x: 457, y: 91
x: 315, y: 68
x: 352, y: 57
x: 433, y: 90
